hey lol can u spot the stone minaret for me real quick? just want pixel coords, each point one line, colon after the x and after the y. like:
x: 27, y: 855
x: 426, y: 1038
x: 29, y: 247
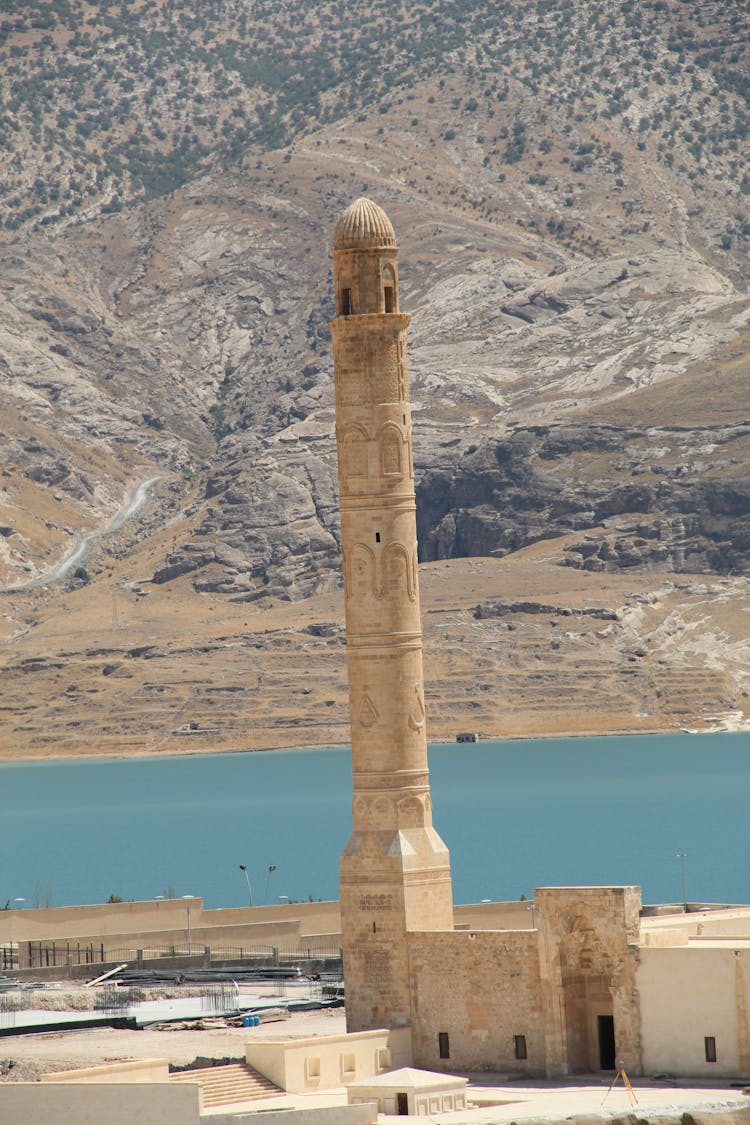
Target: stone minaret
x: 395, y: 870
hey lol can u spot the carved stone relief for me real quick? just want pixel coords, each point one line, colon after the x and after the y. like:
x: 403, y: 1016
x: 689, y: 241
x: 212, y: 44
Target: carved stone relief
x: 397, y: 577
x: 361, y: 573
x: 383, y: 361
x: 402, y: 375
x: 410, y: 813
x: 417, y: 714
x: 367, y: 712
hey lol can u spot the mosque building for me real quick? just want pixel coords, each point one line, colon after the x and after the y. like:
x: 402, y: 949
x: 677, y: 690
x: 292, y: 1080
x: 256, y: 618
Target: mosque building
x: 589, y: 980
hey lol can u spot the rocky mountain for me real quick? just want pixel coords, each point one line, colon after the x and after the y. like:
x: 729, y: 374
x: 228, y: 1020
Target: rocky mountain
x: 570, y: 188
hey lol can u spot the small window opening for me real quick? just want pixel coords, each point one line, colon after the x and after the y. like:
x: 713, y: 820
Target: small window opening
x: 444, y: 1047
x: 374, y: 927
x: 390, y: 298
x: 312, y: 1068
x: 346, y: 302
x: 520, y: 1046
x: 377, y: 536
x: 710, y: 1046
x: 403, y: 419
x: 382, y: 1059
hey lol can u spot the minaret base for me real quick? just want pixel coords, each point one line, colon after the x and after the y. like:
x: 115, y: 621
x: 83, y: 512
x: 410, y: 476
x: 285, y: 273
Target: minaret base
x: 393, y: 882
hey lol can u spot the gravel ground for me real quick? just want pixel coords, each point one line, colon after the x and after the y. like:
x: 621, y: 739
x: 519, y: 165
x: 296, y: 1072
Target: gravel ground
x: 24, y: 1058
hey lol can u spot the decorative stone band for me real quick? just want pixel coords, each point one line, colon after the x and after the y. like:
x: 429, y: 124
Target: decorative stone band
x: 375, y: 642
x: 376, y: 502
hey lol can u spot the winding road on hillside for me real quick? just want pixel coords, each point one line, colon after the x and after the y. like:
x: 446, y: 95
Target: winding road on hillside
x: 80, y: 549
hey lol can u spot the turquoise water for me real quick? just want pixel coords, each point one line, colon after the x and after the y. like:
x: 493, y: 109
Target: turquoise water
x: 515, y: 815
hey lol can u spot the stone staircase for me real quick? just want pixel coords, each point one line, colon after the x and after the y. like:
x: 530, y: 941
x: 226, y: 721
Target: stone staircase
x: 230, y: 1083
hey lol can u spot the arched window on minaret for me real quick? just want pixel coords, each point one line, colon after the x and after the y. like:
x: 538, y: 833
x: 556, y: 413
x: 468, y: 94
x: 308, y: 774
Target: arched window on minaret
x: 361, y: 573
x: 390, y: 292
x: 398, y: 578
x: 391, y: 451
x: 354, y: 455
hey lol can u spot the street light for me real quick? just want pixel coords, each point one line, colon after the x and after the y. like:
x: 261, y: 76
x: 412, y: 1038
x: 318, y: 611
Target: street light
x: 682, y: 856
x: 14, y: 946
x: 247, y: 880
x: 271, y: 870
x: 188, y: 904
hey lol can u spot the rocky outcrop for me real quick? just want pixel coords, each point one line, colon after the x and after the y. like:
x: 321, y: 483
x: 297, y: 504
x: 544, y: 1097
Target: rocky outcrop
x: 539, y: 483
x: 190, y: 333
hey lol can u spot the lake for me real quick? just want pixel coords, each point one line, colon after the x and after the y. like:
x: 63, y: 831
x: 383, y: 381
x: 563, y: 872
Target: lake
x: 515, y: 815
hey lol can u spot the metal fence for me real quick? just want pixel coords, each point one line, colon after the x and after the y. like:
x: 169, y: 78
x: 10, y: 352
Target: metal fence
x: 37, y: 954
x: 42, y: 954
x: 8, y: 956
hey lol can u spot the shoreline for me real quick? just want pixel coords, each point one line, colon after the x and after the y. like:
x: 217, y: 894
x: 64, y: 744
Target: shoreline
x: 739, y: 727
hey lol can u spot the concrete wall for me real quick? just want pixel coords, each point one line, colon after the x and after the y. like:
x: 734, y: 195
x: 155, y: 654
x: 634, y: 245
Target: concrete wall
x: 676, y: 929
x: 163, y: 1103
x: 142, y: 1070
x: 164, y: 922
x: 140, y: 925
x: 316, y: 1115
x: 494, y: 916
x: 326, y: 1062
x: 102, y: 919
x: 687, y: 994
x: 483, y: 989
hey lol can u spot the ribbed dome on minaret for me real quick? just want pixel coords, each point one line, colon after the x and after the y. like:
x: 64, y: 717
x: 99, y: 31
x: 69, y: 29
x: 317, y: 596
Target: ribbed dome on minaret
x: 363, y: 225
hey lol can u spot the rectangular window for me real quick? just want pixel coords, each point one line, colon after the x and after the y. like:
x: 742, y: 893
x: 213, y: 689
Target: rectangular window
x: 520, y: 1046
x: 709, y: 1044
x: 346, y: 302
x: 348, y: 1064
x: 382, y: 1059
x: 312, y: 1068
x: 444, y: 1047
x: 390, y: 304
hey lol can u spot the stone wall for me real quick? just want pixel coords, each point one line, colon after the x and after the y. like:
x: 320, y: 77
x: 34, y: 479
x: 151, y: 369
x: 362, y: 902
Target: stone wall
x: 148, y: 1103
x: 482, y: 989
x: 588, y: 955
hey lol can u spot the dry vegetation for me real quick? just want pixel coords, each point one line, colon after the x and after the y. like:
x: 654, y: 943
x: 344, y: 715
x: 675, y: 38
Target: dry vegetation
x: 107, y: 102
x: 513, y: 647
x: 570, y: 186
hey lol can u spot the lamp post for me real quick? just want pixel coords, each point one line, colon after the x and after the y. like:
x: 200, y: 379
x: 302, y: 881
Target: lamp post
x: 15, y: 961
x: 682, y: 856
x: 271, y: 870
x: 188, y: 903
x: 243, y: 868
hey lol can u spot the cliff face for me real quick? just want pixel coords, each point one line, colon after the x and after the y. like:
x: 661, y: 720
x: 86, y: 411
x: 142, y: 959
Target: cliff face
x: 569, y: 188
x: 651, y: 498
x: 553, y: 393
